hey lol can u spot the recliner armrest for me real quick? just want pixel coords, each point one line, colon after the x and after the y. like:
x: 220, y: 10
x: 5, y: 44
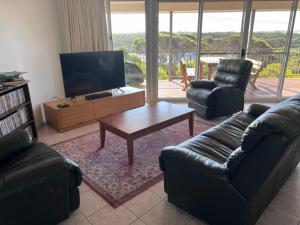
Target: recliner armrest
x: 184, y: 158
x: 226, y: 91
x: 208, y: 84
x: 257, y: 109
x: 14, y: 144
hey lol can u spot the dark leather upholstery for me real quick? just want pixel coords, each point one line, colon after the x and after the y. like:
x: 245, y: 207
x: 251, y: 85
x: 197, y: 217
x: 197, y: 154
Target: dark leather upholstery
x: 230, y: 173
x: 37, y: 184
x: 225, y: 94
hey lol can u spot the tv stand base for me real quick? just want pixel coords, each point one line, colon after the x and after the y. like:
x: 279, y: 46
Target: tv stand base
x: 82, y: 112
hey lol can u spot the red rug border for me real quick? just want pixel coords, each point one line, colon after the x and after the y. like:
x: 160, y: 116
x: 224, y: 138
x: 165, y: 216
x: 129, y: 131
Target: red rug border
x: 128, y: 196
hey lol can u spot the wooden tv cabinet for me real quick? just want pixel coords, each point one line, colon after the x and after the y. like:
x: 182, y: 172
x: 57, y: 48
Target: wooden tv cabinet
x: 82, y: 112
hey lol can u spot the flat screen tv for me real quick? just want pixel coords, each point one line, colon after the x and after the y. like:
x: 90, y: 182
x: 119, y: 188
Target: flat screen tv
x: 89, y: 72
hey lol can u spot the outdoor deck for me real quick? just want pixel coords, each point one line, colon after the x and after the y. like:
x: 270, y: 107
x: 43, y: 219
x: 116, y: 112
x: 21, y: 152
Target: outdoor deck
x: 265, y: 88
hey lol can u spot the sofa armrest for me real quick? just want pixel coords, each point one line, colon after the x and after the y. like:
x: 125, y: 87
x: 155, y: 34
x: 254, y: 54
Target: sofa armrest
x: 257, y: 109
x: 14, y: 144
x: 208, y: 84
x: 184, y: 158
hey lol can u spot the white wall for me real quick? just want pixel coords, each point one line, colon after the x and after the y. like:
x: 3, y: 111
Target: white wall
x: 30, y: 41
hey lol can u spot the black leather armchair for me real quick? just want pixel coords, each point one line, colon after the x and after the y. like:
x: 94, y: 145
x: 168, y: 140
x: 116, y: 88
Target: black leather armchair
x: 37, y: 184
x: 225, y: 94
x: 229, y: 174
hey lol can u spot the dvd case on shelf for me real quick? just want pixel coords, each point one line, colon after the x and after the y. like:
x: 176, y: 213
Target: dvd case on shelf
x: 16, y: 110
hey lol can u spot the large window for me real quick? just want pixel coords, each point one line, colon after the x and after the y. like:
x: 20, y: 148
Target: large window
x: 292, y: 75
x: 177, y: 47
x: 221, y: 34
x: 266, y: 48
x: 128, y: 34
x: 220, y: 37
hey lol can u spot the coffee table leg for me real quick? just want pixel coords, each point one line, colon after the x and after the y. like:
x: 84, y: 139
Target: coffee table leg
x: 191, y: 124
x: 102, y: 135
x: 130, y: 150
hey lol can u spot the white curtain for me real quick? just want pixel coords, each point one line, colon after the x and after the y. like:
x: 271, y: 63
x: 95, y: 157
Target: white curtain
x: 84, y: 25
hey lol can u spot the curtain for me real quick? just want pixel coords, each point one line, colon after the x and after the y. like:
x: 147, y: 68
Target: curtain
x: 84, y: 25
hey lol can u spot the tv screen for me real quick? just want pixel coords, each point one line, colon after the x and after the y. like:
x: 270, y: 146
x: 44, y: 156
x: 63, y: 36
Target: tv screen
x: 89, y: 72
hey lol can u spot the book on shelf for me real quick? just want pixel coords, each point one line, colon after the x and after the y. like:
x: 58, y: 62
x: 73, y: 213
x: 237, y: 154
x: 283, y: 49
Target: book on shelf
x: 14, y: 121
x: 16, y: 110
x: 11, y: 100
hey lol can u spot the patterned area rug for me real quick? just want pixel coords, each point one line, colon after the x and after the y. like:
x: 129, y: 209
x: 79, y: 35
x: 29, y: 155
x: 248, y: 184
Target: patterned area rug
x: 107, y: 171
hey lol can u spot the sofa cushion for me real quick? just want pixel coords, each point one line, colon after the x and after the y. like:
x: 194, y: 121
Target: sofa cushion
x: 13, y: 144
x: 282, y: 119
x: 207, y: 147
x: 230, y: 132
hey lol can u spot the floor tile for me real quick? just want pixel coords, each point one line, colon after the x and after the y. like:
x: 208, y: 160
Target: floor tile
x: 85, y: 222
x: 276, y: 216
x: 287, y: 202
x: 110, y: 216
x: 195, y: 221
x: 91, y: 202
x: 138, y: 222
x: 76, y: 218
x: 142, y: 203
x: 159, y: 190
x: 83, y: 187
x: 165, y: 214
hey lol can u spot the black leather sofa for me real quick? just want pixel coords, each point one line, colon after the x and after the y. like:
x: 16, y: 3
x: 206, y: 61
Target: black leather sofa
x: 228, y: 174
x: 225, y: 94
x: 38, y: 186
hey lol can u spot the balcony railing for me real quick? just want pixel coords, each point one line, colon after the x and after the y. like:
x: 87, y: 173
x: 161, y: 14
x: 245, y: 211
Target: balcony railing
x: 270, y: 61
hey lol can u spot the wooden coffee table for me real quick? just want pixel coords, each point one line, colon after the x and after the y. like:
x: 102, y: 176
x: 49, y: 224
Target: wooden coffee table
x: 141, y: 121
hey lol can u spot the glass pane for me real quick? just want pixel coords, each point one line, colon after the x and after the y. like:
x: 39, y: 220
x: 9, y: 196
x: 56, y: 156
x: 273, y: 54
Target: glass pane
x: 292, y: 75
x: 266, y: 47
x: 177, y: 43
x: 221, y: 30
x: 128, y: 34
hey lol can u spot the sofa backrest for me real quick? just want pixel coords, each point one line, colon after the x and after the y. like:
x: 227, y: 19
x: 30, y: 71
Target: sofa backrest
x: 265, y: 141
x: 233, y: 73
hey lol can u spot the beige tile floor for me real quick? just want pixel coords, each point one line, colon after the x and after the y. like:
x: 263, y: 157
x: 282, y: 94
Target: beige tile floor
x: 152, y: 208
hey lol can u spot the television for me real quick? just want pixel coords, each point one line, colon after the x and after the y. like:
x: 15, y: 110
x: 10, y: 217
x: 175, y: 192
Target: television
x: 89, y: 72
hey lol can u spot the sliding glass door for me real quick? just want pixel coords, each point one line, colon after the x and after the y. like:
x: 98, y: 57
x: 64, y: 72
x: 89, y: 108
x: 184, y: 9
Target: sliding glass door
x: 266, y: 47
x: 178, y: 22
x: 195, y: 34
x: 221, y: 34
x: 291, y: 85
x: 127, y: 19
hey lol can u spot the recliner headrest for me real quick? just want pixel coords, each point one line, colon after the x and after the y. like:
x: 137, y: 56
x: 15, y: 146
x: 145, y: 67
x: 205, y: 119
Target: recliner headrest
x: 234, y: 65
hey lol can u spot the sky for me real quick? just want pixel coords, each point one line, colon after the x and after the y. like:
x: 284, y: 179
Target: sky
x: 212, y: 22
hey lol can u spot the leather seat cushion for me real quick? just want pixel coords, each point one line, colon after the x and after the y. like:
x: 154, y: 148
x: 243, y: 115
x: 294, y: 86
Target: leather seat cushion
x: 241, y: 120
x: 207, y: 147
x: 198, y: 95
x: 226, y: 134
x: 230, y: 132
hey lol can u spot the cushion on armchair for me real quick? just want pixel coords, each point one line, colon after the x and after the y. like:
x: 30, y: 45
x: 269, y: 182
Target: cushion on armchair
x: 14, y: 144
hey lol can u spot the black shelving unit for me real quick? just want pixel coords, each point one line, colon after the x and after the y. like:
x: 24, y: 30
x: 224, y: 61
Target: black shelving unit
x: 16, y: 110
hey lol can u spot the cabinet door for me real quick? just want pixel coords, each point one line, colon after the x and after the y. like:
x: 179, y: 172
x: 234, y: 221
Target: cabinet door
x: 106, y: 106
x: 132, y: 101
x: 77, y: 114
